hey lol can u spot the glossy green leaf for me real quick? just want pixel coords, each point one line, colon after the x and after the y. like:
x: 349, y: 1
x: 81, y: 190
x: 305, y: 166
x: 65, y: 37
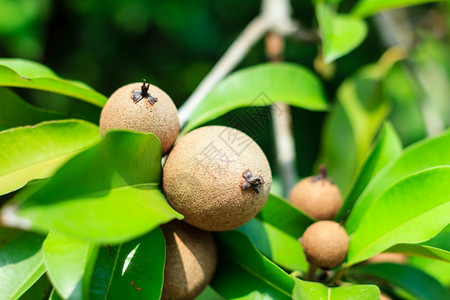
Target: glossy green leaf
x: 275, y: 232
x: 133, y: 270
x: 413, y: 210
x: 340, y: 33
x: 67, y: 259
x: 437, y: 248
x: 21, y: 265
x: 425, y: 154
x: 386, y: 148
x: 415, y: 282
x: 39, y: 291
x: 436, y: 268
x: 54, y: 296
x: 17, y: 112
x: 354, y: 122
x: 209, y: 294
x: 307, y: 290
x: 261, y: 85
x: 365, y: 8
x: 28, y: 74
x: 35, y: 152
x: 243, y: 273
x: 107, y: 194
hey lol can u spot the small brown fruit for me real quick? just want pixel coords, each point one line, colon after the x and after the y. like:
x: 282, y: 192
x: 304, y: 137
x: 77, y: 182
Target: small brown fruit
x: 143, y: 108
x: 325, y: 244
x: 317, y: 196
x: 217, y: 177
x: 191, y: 259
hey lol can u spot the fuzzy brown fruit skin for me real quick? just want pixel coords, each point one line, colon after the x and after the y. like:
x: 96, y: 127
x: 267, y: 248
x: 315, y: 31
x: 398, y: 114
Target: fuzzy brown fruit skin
x: 318, y: 198
x: 203, y: 178
x: 325, y: 244
x: 161, y: 118
x: 191, y: 259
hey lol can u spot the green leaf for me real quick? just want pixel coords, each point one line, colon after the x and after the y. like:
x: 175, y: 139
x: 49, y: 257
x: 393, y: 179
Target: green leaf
x: 411, y: 211
x: 425, y: 154
x: 306, y: 290
x: 67, y: 260
x: 353, y: 123
x: 17, y: 112
x: 386, y: 148
x: 35, y: 152
x: 243, y: 273
x: 39, y: 291
x: 107, y: 194
x: 209, y: 294
x: 365, y: 8
x: 412, y: 280
x: 275, y: 232
x: 340, y: 33
x: 437, y: 248
x: 261, y: 85
x: 28, y: 74
x: 133, y: 270
x: 21, y: 265
x: 439, y: 269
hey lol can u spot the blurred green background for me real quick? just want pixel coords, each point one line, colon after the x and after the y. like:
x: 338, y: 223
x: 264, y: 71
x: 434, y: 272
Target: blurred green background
x: 173, y: 44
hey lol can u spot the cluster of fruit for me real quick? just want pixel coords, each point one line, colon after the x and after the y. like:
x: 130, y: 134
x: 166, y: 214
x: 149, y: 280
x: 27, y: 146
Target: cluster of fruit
x: 217, y: 177
x: 325, y: 242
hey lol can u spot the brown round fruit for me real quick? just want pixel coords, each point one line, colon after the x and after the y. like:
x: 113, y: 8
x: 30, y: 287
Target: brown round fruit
x: 191, y: 259
x: 153, y: 112
x: 325, y: 244
x: 317, y: 197
x: 217, y: 177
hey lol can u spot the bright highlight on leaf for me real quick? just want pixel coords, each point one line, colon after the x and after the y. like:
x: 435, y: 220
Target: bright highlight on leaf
x: 411, y: 211
x: 107, y: 194
x: 28, y: 74
x: 261, y: 85
x: 35, y: 152
x: 417, y: 157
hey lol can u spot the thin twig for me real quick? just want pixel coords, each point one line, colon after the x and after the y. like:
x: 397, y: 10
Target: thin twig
x: 254, y: 31
x: 275, y: 16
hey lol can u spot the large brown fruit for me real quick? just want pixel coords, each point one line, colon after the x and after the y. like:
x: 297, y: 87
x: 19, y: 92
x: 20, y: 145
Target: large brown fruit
x: 325, y: 244
x: 317, y: 197
x: 217, y: 177
x: 191, y: 259
x: 122, y: 111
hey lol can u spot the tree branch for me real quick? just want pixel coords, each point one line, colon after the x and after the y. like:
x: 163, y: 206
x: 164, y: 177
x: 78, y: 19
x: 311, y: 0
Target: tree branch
x: 254, y: 31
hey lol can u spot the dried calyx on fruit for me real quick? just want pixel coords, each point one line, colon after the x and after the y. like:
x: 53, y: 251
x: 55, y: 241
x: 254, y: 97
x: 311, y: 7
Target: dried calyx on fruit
x: 125, y: 110
x: 317, y: 196
x: 191, y: 259
x: 217, y: 177
x: 325, y: 244
x: 138, y: 95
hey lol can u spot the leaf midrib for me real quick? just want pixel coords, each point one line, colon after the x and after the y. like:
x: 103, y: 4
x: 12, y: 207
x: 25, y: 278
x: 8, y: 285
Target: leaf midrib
x: 250, y: 270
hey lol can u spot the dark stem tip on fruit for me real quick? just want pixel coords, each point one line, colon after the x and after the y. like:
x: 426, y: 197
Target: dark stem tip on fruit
x: 138, y: 95
x: 323, y: 175
x: 250, y: 181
